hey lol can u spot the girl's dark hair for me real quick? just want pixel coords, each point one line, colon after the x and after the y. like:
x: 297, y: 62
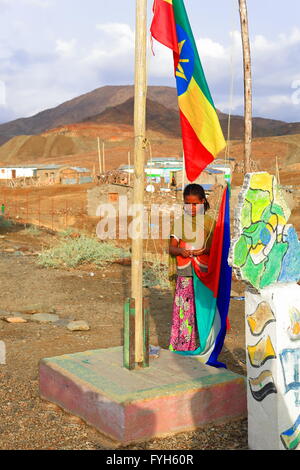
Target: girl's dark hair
x: 196, y: 190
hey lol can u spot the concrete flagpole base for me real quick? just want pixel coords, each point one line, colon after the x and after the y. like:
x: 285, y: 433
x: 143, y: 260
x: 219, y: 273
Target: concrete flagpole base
x: 175, y: 394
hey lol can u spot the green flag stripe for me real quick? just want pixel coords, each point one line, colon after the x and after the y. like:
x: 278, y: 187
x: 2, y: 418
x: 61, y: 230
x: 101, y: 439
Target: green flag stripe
x: 182, y: 20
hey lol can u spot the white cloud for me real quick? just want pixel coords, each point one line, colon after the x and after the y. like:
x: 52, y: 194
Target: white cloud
x: 66, y: 48
x: 39, y: 77
x: 37, y: 3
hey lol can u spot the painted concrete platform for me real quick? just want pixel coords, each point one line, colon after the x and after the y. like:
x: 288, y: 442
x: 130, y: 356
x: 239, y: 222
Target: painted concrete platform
x: 174, y: 394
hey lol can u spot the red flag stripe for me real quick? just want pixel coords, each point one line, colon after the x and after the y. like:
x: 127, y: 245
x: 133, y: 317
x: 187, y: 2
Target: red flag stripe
x: 192, y: 148
x: 163, y: 27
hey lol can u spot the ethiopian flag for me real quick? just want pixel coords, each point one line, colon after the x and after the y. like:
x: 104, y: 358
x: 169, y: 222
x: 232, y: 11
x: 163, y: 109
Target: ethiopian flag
x: 201, y: 131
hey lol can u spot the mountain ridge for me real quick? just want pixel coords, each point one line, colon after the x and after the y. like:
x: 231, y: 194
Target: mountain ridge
x: 91, y: 105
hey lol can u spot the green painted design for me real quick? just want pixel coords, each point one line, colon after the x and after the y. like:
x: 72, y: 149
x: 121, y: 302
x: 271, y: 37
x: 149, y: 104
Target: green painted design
x: 253, y: 272
x: 273, y: 268
x: 276, y: 209
x: 265, y: 249
x: 258, y: 200
x: 241, y: 252
x: 254, y: 232
x: 246, y: 214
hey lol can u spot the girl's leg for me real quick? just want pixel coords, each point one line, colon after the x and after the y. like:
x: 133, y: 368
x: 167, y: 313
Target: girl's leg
x: 184, y: 336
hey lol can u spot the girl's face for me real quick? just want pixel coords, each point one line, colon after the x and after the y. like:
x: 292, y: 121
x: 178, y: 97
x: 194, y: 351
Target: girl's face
x: 193, y: 204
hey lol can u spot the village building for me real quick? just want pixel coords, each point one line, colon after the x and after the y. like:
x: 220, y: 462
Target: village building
x: 168, y: 170
x: 106, y: 194
x: 46, y: 174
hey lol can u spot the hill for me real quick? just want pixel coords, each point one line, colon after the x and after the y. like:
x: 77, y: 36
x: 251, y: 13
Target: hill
x: 94, y: 103
x: 80, y: 108
x: 159, y: 118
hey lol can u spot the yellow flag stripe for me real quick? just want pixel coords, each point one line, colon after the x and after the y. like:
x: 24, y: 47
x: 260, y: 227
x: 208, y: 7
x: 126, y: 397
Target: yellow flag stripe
x: 169, y: 1
x: 203, y: 118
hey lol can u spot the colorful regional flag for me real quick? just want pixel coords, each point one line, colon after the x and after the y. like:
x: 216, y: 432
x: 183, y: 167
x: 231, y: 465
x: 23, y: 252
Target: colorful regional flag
x: 212, y: 292
x: 201, y: 131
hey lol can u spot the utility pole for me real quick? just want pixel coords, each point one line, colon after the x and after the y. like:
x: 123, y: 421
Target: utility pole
x: 139, y: 163
x: 247, y: 85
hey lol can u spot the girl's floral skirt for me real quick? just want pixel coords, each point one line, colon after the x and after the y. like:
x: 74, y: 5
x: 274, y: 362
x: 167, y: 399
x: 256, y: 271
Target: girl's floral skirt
x: 184, y: 333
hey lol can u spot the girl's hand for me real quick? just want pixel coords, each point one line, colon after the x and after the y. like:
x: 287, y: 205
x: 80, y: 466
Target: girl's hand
x: 185, y: 253
x: 203, y: 251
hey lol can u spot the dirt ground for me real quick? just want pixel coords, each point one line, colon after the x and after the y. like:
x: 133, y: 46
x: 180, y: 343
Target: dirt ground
x: 27, y: 422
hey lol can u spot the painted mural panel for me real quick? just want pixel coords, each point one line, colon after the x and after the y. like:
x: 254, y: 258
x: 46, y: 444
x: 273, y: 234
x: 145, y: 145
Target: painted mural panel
x: 291, y: 437
x: 261, y: 352
x: 263, y: 385
x: 262, y: 316
x: 265, y: 248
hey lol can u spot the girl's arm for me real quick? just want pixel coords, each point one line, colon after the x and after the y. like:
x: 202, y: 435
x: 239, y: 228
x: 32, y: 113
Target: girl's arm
x: 175, y: 250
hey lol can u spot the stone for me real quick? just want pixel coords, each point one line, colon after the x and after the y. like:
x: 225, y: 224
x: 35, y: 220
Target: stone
x: 233, y: 293
x: 37, y: 308
x: 79, y: 325
x: 15, y: 320
x: 4, y: 314
x: 44, y: 317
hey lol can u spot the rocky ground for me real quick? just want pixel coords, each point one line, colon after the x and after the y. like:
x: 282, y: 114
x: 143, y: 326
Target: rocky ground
x: 95, y: 296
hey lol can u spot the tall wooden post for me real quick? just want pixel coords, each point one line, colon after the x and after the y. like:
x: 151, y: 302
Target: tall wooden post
x: 129, y: 175
x: 247, y: 84
x: 103, y: 155
x: 99, y: 156
x: 139, y: 162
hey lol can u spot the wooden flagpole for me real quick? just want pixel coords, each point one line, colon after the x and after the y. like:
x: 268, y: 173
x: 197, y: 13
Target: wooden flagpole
x: 139, y: 162
x: 247, y: 84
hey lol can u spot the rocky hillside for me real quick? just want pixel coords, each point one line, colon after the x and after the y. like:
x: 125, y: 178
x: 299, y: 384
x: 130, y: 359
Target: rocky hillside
x: 108, y: 99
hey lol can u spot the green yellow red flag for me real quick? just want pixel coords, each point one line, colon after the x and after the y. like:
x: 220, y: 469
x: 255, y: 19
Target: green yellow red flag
x: 201, y: 131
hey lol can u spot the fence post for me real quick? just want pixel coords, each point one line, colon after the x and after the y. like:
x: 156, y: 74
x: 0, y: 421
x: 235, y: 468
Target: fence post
x: 66, y: 215
x: 27, y: 212
x: 52, y: 213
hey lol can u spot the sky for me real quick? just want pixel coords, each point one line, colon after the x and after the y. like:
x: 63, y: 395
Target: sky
x: 54, y: 50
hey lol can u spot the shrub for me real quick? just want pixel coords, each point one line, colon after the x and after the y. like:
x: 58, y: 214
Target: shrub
x: 5, y: 223
x: 156, y: 274
x: 32, y: 230
x: 74, y: 252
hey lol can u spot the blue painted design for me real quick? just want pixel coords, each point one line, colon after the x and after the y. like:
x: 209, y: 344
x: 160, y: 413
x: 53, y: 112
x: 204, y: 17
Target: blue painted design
x: 291, y: 437
x: 186, y: 61
x: 290, y: 363
x: 290, y: 268
x: 265, y: 236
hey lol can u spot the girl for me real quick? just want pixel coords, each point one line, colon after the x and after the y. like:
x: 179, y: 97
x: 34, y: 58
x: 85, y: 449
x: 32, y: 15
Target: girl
x: 190, y: 243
